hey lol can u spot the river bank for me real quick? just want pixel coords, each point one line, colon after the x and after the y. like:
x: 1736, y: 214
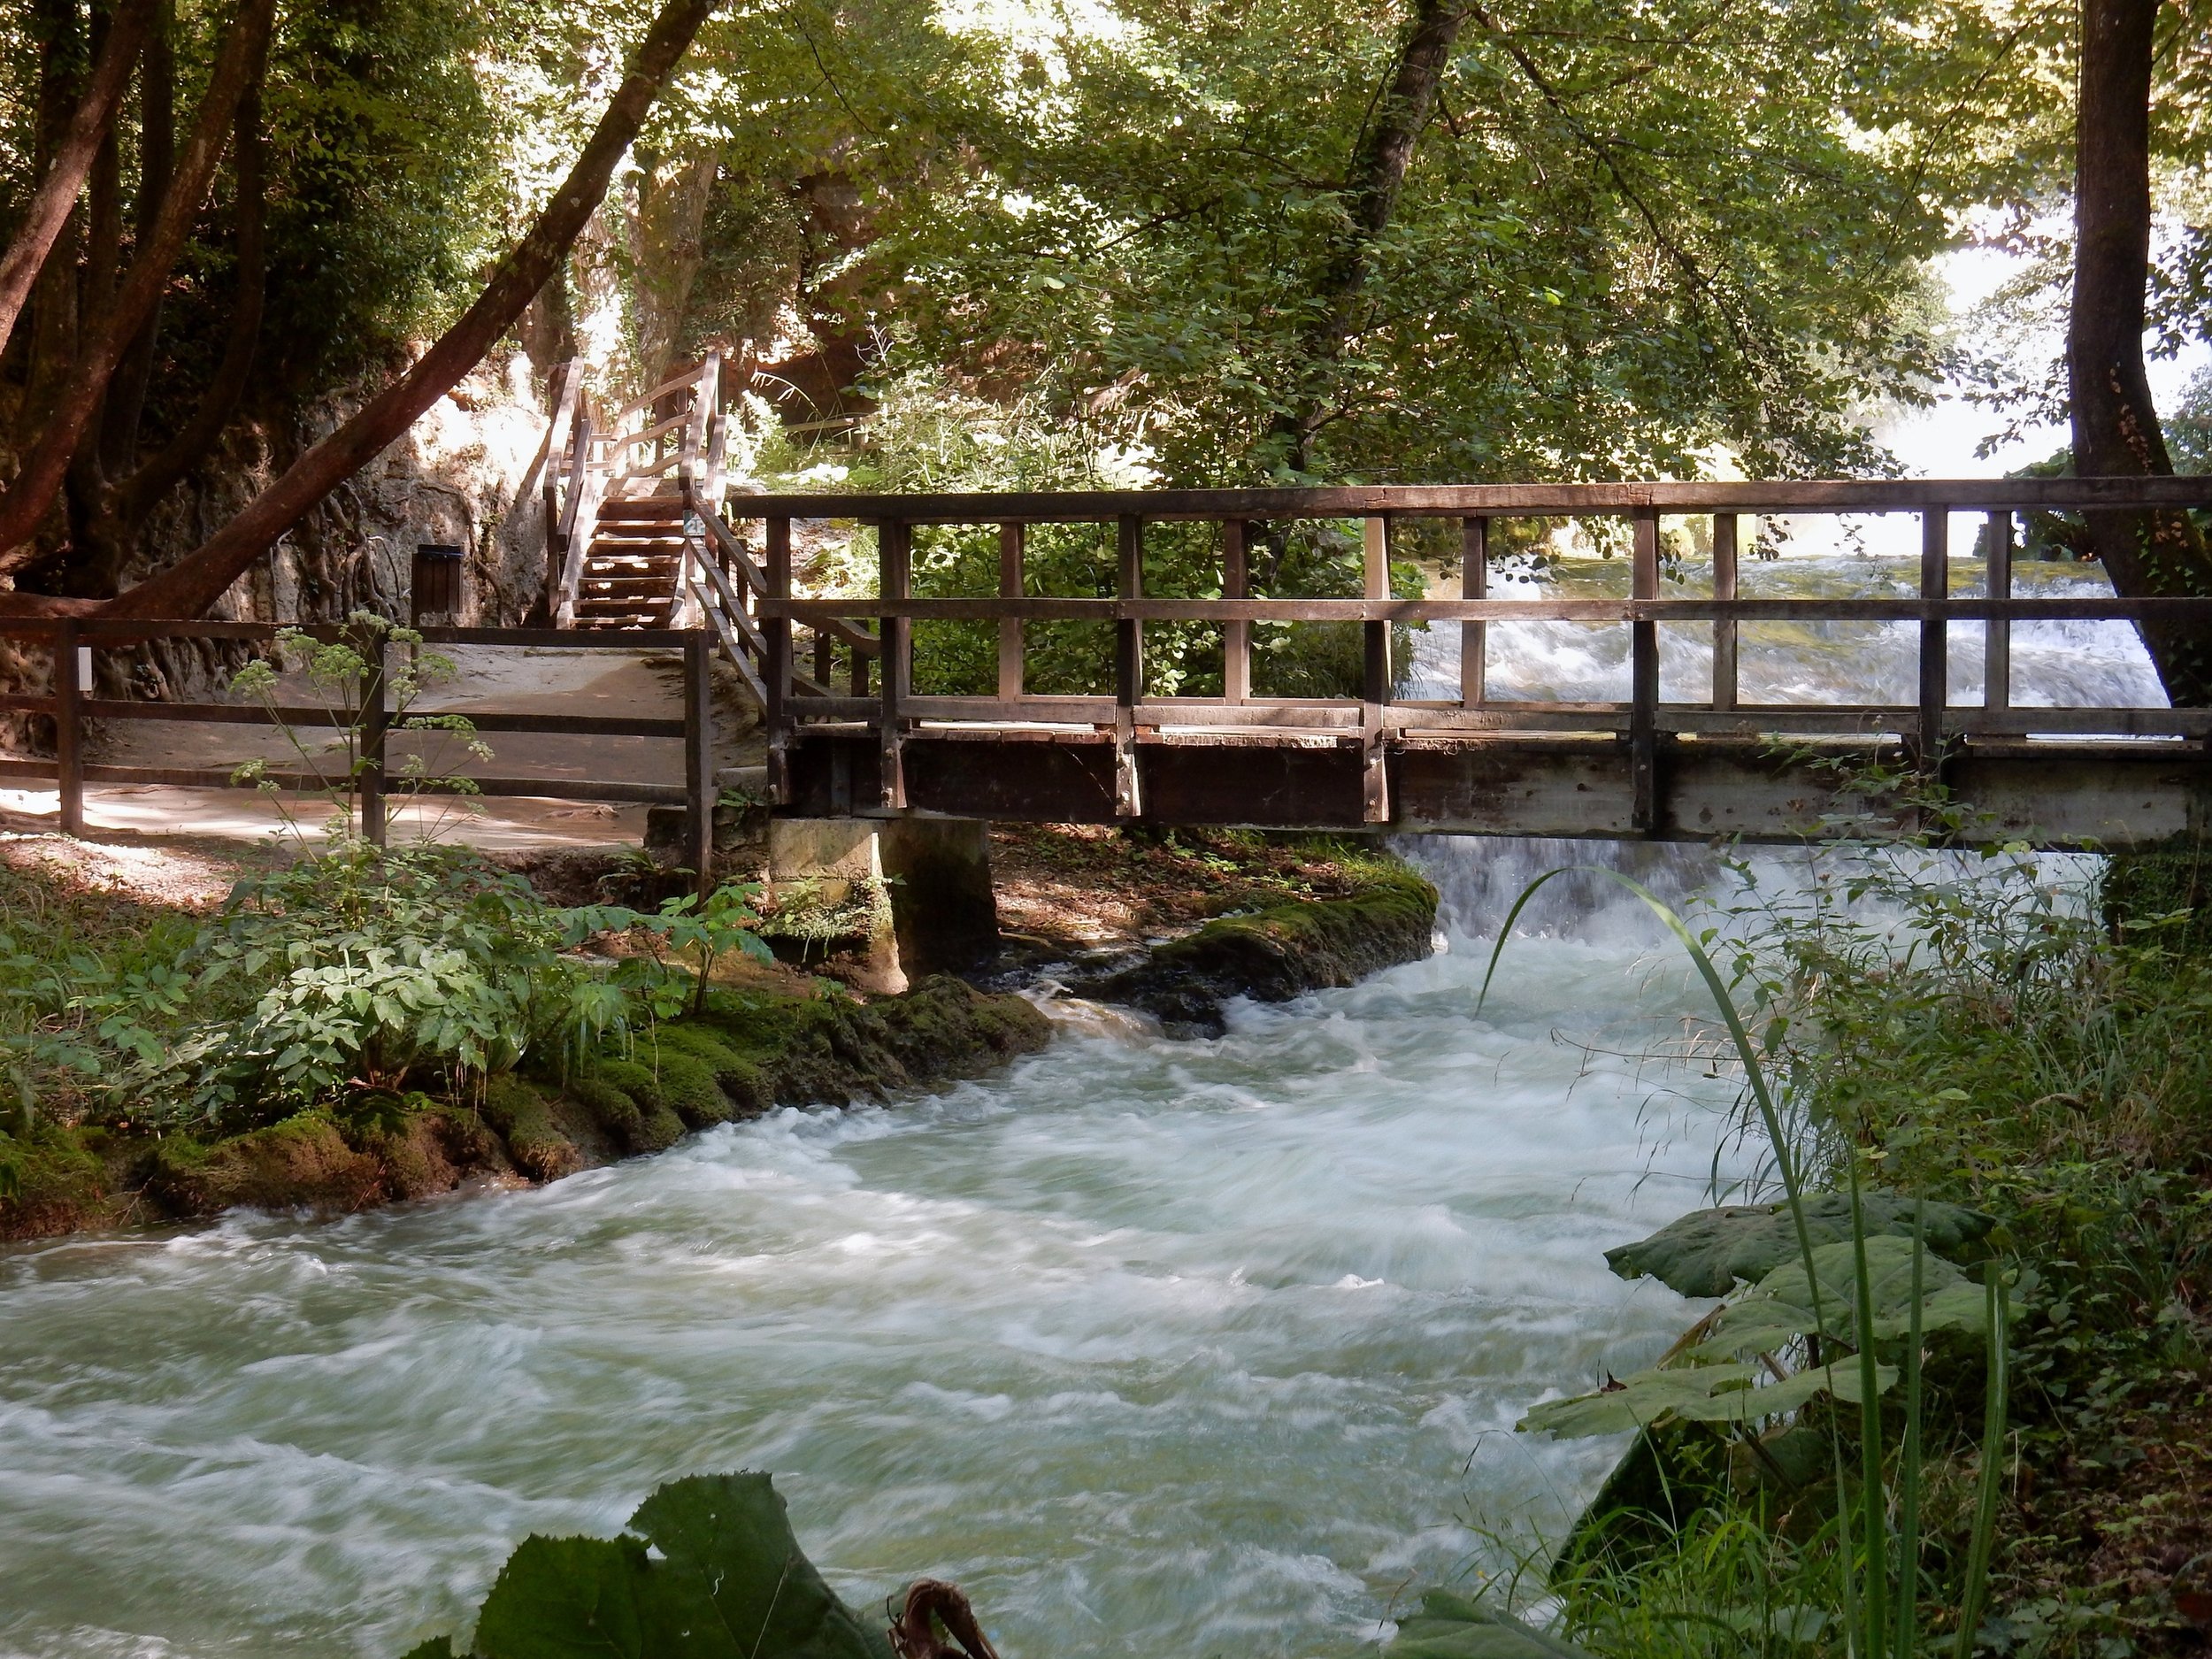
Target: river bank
x: 765, y: 1035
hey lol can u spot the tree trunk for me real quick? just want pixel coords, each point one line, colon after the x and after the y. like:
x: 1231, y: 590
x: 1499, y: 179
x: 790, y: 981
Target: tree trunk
x: 156, y: 177
x: 672, y: 212
x: 34, y: 488
x: 1372, y: 183
x: 72, y: 159
x: 189, y: 587
x: 2116, y: 426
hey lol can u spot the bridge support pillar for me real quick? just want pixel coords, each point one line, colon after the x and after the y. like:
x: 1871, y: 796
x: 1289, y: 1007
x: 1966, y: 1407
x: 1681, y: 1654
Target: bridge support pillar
x: 937, y: 871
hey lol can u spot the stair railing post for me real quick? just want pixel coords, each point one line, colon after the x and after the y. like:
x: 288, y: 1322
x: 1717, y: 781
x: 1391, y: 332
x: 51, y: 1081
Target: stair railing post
x: 1935, y: 662
x: 699, y: 791
x: 1724, y: 629
x: 1474, y: 637
x: 894, y: 543
x: 1643, y: 720
x: 372, y: 719
x: 1375, y: 677
x: 1236, y: 634
x: 777, y: 631
x: 1128, y: 667
x: 68, y: 731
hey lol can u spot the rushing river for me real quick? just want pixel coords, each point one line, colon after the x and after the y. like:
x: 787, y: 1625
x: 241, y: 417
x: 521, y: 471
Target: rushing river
x: 1171, y: 1348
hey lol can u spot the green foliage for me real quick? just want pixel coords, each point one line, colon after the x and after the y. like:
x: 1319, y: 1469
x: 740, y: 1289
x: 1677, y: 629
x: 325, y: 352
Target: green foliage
x: 1695, y: 1393
x: 709, y: 1570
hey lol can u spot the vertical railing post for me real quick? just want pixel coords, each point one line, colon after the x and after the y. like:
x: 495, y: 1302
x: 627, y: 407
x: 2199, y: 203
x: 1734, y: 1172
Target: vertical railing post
x: 1474, y: 637
x: 896, y: 548
x: 1376, y: 676
x: 699, y: 791
x: 1011, y: 542
x: 1128, y: 667
x: 374, y: 720
x: 1236, y: 634
x: 1724, y: 629
x: 1643, y: 674
x: 68, y: 731
x: 777, y: 631
x: 1997, y: 647
x: 1935, y: 640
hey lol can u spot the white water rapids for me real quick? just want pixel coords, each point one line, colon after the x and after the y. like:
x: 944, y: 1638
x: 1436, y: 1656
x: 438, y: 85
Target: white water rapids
x: 1159, y: 1348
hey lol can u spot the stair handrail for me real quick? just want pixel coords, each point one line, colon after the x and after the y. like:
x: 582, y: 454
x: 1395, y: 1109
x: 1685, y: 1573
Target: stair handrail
x: 579, y: 519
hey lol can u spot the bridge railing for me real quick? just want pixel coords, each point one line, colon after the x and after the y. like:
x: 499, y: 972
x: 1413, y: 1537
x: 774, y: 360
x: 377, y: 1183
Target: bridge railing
x: 1378, y: 718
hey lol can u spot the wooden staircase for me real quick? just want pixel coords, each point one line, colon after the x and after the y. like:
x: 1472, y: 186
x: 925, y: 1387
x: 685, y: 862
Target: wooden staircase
x: 632, y: 565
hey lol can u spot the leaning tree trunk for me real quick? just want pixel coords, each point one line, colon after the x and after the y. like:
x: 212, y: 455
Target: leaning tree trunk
x: 2115, y: 427
x: 197, y: 580
x: 1372, y: 184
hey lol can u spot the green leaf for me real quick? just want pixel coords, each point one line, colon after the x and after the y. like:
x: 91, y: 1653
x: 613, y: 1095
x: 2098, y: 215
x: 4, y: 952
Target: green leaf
x: 735, y: 1583
x: 1696, y: 1393
x: 1451, y: 1626
x: 1707, y: 1252
x: 568, y: 1598
x: 1781, y: 1309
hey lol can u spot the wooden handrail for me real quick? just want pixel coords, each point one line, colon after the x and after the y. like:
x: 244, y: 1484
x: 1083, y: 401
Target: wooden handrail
x: 1821, y: 496
x: 815, y: 612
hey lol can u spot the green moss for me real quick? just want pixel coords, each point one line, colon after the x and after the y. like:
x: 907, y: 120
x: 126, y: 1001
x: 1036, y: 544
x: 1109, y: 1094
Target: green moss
x: 539, y: 1145
x: 610, y: 1108
x: 49, y: 1182
x: 303, y: 1163
x: 741, y: 1080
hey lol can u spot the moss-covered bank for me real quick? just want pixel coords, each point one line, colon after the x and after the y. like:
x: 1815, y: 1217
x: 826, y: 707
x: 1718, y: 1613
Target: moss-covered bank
x: 747, y: 1052
x: 1282, y: 951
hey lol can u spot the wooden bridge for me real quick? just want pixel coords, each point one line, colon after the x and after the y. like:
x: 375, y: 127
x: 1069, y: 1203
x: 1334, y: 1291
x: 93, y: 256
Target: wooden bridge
x: 646, y: 536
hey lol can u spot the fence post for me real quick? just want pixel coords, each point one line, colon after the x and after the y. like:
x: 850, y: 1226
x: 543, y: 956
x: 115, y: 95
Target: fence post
x: 1128, y: 669
x: 1643, y: 648
x: 1997, y: 647
x: 1724, y: 629
x: 1012, y: 542
x: 1935, y: 663
x: 1236, y: 635
x: 68, y: 732
x: 374, y: 720
x: 777, y: 632
x: 1375, y: 677
x: 895, y: 547
x: 1474, y: 637
x: 699, y: 791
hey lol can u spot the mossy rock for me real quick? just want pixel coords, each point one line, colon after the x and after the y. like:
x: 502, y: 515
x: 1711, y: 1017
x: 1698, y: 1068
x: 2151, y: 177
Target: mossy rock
x: 1277, y: 954
x: 614, y: 1111
x: 658, y: 1126
x: 541, y: 1149
x: 303, y: 1163
x: 49, y: 1182
x: 688, y: 1088
x: 741, y: 1080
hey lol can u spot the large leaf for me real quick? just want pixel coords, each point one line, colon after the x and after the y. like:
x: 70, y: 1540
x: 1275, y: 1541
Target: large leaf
x: 568, y: 1598
x: 1780, y: 1308
x: 1697, y: 1394
x: 735, y: 1584
x: 1708, y: 1251
x: 1452, y: 1627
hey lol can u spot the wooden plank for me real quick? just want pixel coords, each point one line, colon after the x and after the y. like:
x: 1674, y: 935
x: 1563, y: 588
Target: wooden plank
x: 895, y: 544
x: 1935, y: 651
x: 1724, y: 629
x: 1236, y: 635
x: 1474, y: 637
x: 1997, y: 647
x: 373, y: 716
x: 699, y: 791
x: 1509, y: 500
x: 1128, y: 666
x: 68, y: 691
x: 1010, y: 546
x: 1643, y: 675
x: 2092, y: 607
x: 1376, y: 676
x: 776, y: 660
